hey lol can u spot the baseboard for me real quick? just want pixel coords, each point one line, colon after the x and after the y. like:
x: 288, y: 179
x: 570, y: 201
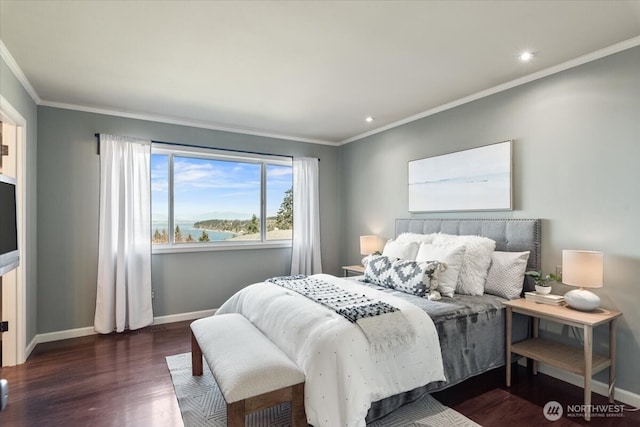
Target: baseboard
x: 183, y: 316
x: 65, y: 335
x: 83, y: 332
x: 598, y: 387
x: 30, y: 347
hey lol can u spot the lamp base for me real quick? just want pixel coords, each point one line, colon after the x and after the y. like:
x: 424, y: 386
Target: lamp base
x: 582, y: 300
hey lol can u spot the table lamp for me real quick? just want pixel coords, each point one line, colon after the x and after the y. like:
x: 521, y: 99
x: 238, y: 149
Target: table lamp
x: 585, y: 270
x: 368, y: 245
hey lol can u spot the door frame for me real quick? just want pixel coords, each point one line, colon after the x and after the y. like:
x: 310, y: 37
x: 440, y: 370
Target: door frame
x: 14, y: 345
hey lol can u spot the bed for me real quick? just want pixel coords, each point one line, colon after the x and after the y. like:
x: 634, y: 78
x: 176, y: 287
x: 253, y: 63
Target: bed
x: 456, y: 338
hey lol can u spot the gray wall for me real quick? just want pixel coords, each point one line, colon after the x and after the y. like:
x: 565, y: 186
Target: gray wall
x: 576, y: 151
x: 68, y: 221
x: 13, y: 91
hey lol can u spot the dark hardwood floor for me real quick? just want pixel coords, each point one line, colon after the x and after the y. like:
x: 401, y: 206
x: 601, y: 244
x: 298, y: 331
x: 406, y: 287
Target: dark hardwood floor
x: 113, y: 380
x: 486, y: 400
x: 122, y: 380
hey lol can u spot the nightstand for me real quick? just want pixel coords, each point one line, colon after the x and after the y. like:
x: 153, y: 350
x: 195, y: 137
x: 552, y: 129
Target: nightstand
x: 356, y: 270
x: 579, y: 361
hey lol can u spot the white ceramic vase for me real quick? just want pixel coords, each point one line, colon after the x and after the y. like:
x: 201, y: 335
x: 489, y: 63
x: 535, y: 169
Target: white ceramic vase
x: 582, y: 300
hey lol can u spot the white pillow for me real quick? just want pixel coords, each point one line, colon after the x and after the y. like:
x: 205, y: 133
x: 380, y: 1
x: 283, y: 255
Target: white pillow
x: 451, y: 256
x: 415, y: 237
x: 506, y: 274
x: 475, y: 263
x: 400, y: 250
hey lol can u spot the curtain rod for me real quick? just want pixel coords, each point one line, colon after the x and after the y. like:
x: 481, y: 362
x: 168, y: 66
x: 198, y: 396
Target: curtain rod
x: 97, y: 135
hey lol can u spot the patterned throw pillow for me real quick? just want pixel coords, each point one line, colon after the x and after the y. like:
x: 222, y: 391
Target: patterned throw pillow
x: 506, y: 274
x: 411, y: 277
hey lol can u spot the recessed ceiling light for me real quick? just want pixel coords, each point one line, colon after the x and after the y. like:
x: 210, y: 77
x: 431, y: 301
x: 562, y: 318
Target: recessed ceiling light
x: 526, y: 56
x: 369, y: 119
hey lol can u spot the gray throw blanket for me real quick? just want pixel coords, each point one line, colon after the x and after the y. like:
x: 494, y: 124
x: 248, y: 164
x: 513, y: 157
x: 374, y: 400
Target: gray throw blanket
x: 383, y: 325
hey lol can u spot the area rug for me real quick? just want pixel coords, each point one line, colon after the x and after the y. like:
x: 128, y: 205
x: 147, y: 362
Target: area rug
x: 201, y: 404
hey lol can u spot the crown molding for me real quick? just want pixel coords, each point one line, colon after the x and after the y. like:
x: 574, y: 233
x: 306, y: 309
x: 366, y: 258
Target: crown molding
x: 183, y: 122
x: 17, y: 71
x: 598, y: 54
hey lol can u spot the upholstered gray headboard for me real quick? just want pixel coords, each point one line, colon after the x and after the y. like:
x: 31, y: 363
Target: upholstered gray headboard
x: 511, y: 235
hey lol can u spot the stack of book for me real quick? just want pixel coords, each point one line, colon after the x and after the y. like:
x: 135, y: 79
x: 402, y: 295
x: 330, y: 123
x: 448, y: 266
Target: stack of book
x: 545, y: 298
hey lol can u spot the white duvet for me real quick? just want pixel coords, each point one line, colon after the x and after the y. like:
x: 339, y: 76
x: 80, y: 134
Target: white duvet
x: 343, y: 376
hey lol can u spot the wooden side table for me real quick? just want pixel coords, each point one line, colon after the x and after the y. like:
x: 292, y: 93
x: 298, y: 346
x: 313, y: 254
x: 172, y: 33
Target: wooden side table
x: 355, y: 269
x: 579, y: 361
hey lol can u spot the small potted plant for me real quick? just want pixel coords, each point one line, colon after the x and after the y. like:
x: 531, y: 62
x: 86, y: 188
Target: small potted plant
x: 543, y: 283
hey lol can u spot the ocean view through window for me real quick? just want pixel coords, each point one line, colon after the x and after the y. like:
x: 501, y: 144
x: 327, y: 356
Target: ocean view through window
x: 207, y: 199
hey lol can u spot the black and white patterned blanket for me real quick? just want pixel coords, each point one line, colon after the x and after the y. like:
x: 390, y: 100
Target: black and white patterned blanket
x: 383, y: 324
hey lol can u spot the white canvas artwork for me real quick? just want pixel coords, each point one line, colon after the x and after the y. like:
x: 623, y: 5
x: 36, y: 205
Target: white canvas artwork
x: 478, y: 179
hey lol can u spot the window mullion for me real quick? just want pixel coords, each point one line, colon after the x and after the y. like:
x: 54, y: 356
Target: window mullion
x: 263, y: 202
x: 171, y: 220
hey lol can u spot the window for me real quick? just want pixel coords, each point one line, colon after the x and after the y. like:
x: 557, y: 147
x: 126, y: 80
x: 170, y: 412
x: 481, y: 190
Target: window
x: 205, y: 199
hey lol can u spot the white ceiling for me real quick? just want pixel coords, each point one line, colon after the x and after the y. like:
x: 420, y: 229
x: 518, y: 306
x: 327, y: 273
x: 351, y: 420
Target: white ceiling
x: 301, y: 70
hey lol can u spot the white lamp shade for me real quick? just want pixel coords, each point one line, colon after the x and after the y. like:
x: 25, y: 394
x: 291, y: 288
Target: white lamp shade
x: 582, y: 268
x: 368, y: 244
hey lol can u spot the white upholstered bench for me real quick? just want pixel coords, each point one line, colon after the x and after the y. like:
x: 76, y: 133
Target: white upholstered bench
x: 251, y: 371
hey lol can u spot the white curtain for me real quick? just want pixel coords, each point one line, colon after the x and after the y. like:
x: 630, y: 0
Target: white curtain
x: 305, y: 256
x: 124, y: 254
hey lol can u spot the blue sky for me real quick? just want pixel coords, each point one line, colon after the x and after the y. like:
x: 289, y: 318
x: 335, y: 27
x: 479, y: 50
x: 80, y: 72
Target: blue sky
x: 215, y: 189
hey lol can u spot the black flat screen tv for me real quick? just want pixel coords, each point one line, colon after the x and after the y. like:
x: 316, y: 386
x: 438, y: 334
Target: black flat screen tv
x: 9, y: 253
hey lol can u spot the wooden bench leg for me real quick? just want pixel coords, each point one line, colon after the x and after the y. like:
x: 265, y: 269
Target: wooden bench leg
x: 298, y: 416
x: 235, y: 414
x: 196, y: 356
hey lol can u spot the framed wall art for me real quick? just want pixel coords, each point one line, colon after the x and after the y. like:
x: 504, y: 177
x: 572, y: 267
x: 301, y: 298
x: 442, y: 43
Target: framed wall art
x: 478, y: 179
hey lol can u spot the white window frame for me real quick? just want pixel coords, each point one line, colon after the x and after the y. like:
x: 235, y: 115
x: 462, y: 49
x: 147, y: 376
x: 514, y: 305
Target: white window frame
x: 213, y: 154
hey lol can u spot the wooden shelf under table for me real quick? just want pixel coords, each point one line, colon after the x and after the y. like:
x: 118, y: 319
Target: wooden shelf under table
x: 559, y: 355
